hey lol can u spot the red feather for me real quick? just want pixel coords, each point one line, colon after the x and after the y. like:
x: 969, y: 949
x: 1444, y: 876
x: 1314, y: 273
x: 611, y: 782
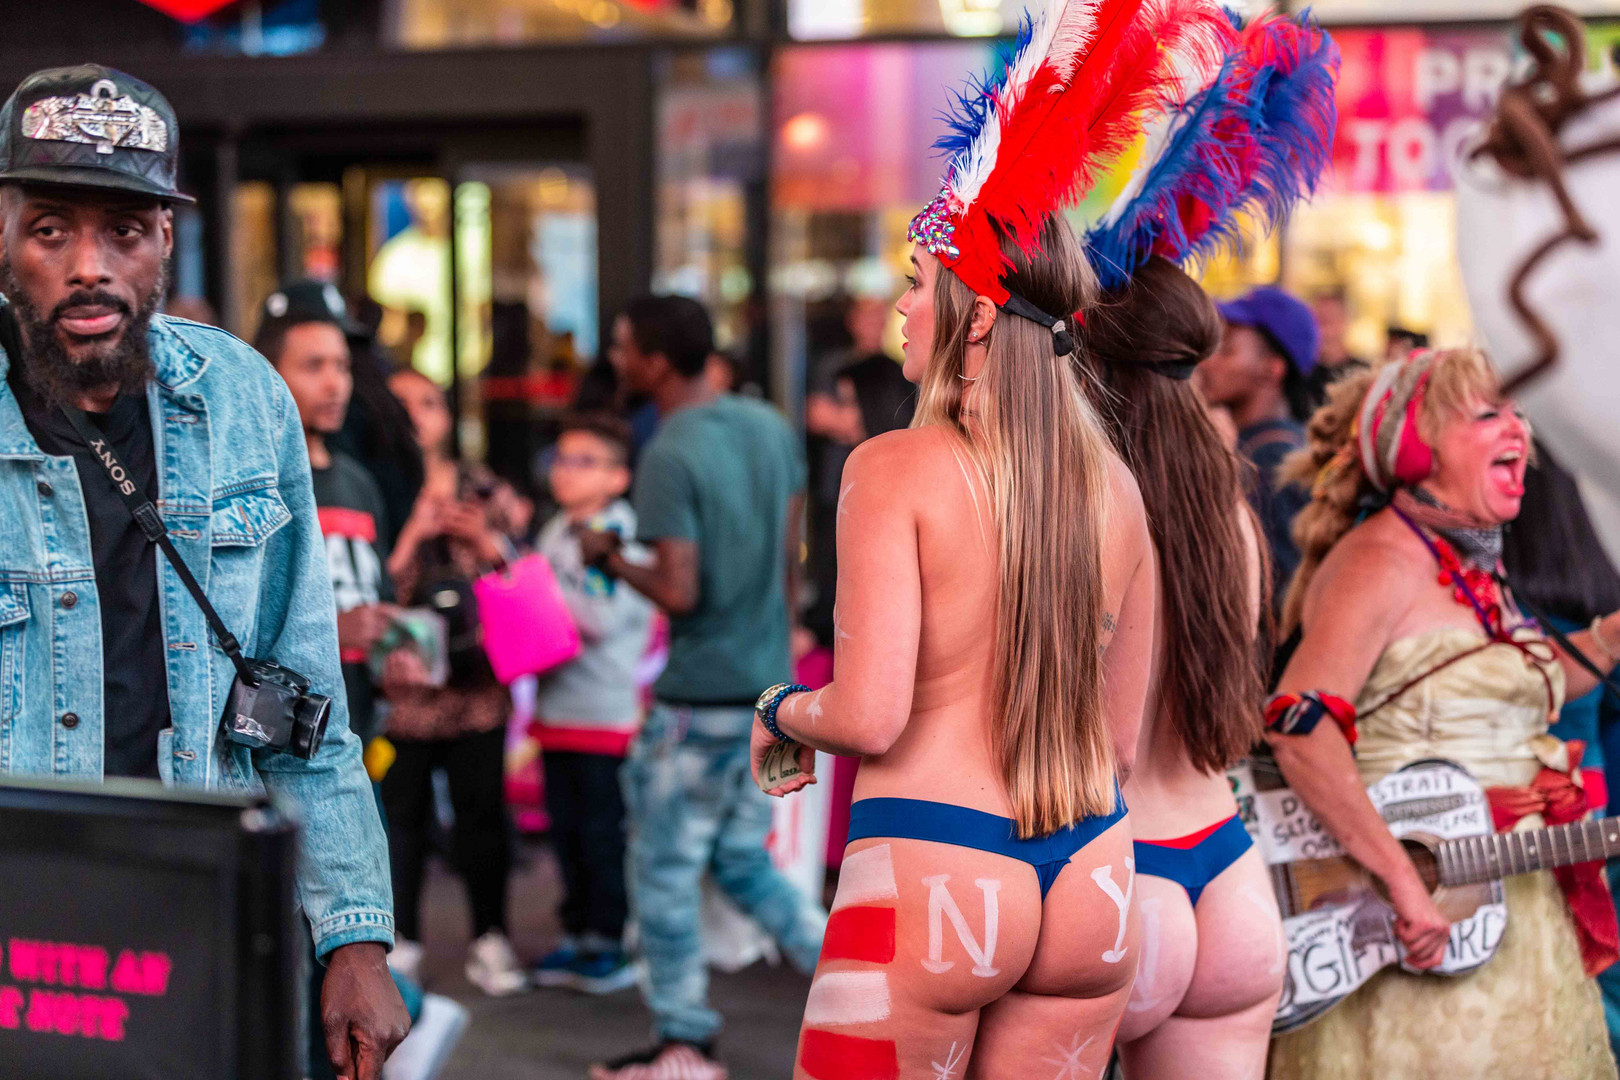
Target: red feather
x: 1063, y: 136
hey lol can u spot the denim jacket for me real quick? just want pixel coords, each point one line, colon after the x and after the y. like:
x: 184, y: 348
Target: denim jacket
x: 234, y: 488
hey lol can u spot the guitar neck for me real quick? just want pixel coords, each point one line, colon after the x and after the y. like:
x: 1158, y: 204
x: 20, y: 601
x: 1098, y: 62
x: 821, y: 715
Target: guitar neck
x: 1498, y: 855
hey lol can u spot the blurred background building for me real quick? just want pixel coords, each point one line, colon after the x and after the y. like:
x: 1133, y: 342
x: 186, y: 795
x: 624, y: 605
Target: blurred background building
x: 500, y: 175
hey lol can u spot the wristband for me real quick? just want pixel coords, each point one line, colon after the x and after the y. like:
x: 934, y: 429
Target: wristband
x: 1298, y: 714
x: 771, y: 700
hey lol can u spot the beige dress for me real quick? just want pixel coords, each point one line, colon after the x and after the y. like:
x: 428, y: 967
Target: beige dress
x: 1530, y: 1013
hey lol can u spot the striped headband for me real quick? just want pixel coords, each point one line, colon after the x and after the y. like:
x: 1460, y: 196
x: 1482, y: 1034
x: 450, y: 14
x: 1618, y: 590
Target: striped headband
x: 1392, y: 452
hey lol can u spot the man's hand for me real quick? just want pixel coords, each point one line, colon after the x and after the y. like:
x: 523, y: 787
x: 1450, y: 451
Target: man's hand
x: 362, y: 1011
x: 595, y: 545
x: 360, y: 628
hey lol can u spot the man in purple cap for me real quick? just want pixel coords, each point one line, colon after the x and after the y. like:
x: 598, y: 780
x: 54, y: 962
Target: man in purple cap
x: 1260, y: 375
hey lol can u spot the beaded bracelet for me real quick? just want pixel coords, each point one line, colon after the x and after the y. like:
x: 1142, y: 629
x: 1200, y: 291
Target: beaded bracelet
x: 771, y: 700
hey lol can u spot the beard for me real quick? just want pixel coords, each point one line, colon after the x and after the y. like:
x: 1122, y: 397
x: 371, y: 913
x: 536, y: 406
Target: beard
x: 58, y: 375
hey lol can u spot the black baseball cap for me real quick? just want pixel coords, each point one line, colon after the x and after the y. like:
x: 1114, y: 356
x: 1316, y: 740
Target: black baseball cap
x: 307, y: 301
x: 89, y: 126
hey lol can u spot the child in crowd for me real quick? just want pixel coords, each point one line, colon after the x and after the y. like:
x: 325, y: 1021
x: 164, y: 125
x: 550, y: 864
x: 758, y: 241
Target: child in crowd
x: 589, y: 709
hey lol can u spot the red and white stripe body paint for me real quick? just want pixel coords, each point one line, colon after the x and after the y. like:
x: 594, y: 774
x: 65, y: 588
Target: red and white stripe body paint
x: 861, y: 928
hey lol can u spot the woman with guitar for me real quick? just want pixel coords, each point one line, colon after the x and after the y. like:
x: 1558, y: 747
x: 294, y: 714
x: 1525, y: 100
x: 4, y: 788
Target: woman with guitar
x: 1411, y: 650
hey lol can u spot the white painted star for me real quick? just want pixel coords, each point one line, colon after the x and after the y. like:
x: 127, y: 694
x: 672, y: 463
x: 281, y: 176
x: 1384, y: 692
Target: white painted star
x: 1069, y: 1064
x: 953, y: 1059
x: 839, y: 634
x: 813, y: 709
x: 842, y: 497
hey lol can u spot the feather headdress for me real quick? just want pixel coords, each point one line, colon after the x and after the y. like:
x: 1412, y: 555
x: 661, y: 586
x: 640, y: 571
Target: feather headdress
x: 1251, y: 143
x: 1033, y: 139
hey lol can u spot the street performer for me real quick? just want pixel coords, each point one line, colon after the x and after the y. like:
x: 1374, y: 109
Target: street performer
x: 1411, y: 649
x: 109, y: 662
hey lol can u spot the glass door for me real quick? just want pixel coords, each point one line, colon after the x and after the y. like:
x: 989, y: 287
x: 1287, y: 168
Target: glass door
x: 487, y: 282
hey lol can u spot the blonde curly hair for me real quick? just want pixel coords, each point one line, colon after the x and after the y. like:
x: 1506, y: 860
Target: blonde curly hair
x: 1330, y: 465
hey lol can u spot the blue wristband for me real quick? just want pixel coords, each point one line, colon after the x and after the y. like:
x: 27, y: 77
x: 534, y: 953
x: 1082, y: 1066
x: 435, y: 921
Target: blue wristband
x: 772, y: 700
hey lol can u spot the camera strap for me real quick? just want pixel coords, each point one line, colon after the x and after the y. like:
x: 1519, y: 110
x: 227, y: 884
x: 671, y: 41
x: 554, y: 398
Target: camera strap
x: 151, y: 523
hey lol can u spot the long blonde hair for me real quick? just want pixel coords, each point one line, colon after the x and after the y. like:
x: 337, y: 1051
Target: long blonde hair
x: 1330, y: 466
x: 1043, y: 454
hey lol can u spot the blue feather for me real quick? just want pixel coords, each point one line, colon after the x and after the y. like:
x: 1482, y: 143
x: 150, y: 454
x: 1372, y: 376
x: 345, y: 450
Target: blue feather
x: 1193, y: 162
x: 969, y: 108
x: 1247, y: 147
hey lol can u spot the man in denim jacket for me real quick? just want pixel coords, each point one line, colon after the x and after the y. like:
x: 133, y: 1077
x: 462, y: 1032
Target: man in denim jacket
x: 87, y: 163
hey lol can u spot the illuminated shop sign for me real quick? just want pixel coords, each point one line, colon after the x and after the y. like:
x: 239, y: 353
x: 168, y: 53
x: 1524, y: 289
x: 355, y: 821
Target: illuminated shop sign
x: 1407, y: 99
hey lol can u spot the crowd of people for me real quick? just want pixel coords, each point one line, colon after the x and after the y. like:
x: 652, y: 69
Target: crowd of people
x: 1094, y: 549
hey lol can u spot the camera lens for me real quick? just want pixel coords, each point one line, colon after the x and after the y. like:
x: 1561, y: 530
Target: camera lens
x: 309, y: 725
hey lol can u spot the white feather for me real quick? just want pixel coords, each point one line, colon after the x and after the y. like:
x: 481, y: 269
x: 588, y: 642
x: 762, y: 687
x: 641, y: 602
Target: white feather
x: 1059, y: 35
x: 1073, y: 37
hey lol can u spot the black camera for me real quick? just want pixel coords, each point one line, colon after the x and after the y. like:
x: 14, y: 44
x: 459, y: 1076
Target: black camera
x: 276, y: 711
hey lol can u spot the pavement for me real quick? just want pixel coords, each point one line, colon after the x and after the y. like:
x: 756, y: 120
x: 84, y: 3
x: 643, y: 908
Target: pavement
x: 557, y: 1034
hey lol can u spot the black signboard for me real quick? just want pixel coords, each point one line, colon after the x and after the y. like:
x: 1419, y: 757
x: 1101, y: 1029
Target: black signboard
x: 144, y: 934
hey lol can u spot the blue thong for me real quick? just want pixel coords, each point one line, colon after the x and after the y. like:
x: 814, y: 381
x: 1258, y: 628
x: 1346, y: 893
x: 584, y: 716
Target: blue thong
x: 943, y: 823
x: 1194, y: 861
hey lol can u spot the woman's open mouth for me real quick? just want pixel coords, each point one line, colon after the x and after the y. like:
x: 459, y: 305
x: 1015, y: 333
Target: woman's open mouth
x: 1507, y: 472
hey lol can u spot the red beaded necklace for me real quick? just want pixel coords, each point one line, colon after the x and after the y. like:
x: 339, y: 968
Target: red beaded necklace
x: 1471, y: 586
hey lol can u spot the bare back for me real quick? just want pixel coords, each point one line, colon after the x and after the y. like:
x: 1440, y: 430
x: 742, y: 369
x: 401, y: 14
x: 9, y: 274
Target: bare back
x: 945, y: 747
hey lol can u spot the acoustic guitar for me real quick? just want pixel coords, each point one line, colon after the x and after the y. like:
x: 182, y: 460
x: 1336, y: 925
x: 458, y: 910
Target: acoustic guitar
x: 1339, y: 926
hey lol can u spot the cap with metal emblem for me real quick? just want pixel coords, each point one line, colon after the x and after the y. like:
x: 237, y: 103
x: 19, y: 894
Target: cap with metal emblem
x: 90, y: 127
x: 306, y: 301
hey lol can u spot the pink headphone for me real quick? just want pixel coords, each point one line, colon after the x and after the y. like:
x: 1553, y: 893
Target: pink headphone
x: 1404, y: 459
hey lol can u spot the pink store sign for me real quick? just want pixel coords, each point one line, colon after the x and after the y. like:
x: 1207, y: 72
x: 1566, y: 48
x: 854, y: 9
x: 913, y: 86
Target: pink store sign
x: 1407, y: 98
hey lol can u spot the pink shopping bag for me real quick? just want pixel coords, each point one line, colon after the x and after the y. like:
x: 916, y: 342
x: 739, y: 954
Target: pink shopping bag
x: 526, y: 625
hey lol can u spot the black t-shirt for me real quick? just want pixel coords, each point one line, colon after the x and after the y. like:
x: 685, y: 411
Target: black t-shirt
x: 354, y: 522
x: 135, y: 688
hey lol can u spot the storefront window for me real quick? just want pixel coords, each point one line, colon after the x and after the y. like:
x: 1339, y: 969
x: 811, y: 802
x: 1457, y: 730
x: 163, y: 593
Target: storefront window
x: 1382, y: 233
x: 711, y: 132
x: 446, y: 24
x: 315, y: 212
x: 252, y: 254
x: 409, y: 271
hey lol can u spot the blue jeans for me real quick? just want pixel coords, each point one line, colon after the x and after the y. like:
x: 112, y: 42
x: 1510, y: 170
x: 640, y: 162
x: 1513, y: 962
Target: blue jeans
x: 692, y: 808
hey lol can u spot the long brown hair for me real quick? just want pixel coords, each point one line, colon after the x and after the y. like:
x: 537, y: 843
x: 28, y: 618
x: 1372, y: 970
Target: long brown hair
x: 1213, y: 673
x: 1043, y: 455
x: 1330, y: 466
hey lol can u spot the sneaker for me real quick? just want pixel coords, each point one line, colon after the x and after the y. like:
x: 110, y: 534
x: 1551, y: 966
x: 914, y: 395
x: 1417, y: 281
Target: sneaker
x: 556, y: 968
x: 605, y: 972
x: 667, y: 1061
x: 406, y: 959
x: 437, y: 1029
x: 493, y: 967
